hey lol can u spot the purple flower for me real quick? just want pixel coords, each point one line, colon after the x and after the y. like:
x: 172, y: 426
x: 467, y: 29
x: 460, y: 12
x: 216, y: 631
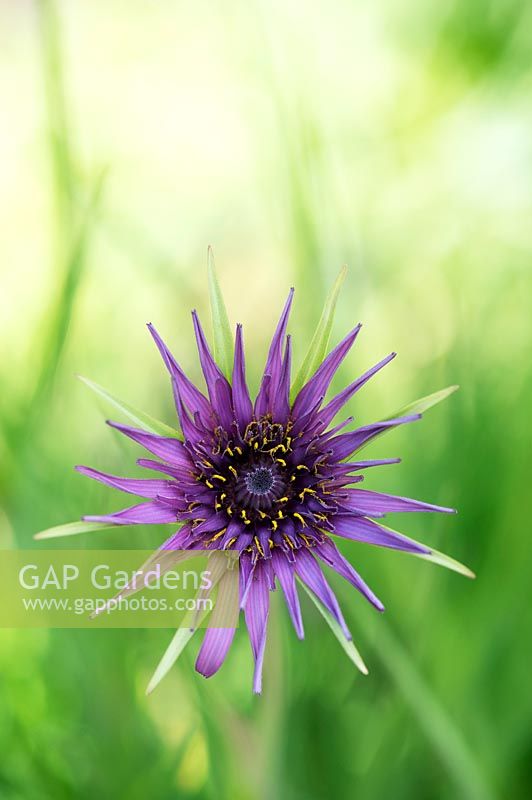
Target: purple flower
x: 270, y: 479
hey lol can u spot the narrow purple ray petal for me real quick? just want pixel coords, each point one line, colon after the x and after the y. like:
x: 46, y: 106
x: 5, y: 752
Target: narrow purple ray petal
x: 192, y: 397
x: 332, y: 408
x: 268, y: 388
x: 347, y: 443
x: 180, y: 540
x: 171, y: 450
x: 143, y: 514
x: 241, y: 400
x: 375, y: 462
x: 365, y: 530
x: 280, y: 401
x: 217, y: 385
x: 320, y: 381
x: 214, y: 648
x: 375, y: 502
x: 285, y: 575
x: 212, y: 524
x: 329, y: 553
x: 190, y: 431
x: 138, y: 486
x: 256, y: 615
x: 180, y: 473
x: 310, y: 573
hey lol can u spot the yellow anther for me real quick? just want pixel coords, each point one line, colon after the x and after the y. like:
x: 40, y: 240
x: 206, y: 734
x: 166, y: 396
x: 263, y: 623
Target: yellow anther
x: 281, y: 461
x: 223, y: 496
x: 283, y: 500
x: 238, y: 450
x: 288, y: 541
x: 306, y: 490
x: 300, y: 518
x: 230, y: 511
x: 259, y: 548
x: 256, y: 445
x: 233, y: 470
x: 280, y: 515
x: 262, y: 514
x: 274, y: 525
x: 303, y: 466
x: 217, y: 535
x: 219, y: 477
x: 230, y: 543
x: 209, y: 484
x: 228, y: 451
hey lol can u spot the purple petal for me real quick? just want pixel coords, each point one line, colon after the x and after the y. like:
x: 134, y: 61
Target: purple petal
x: 171, y: 450
x: 320, y: 381
x: 365, y: 530
x: 272, y: 370
x: 141, y: 487
x: 280, y: 400
x: 344, y: 445
x: 375, y: 462
x: 214, y: 648
x: 217, y: 384
x: 180, y: 473
x: 143, y: 514
x: 256, y: 615
x: 310, y: 573
x: 329, y: 553
x: 241, y: 399
x: 192, y: 397
x: 285, y: 575
x: 332, y: 408
x: 374, y: 502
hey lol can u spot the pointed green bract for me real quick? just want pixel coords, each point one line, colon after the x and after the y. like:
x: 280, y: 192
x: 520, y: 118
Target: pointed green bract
x: 417, y: 407
x: 446, y: 561
x: 347, y: 645
x: 180, y: 640
x: 73, y: 529
x: 320, y: 341
x: 435, y: 556
x: 423, y: 404
x: 223, y: 340
x: 141, y: 419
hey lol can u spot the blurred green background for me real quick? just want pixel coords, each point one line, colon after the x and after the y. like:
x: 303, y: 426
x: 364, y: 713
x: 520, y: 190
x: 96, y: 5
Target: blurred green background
x: 294, y: 137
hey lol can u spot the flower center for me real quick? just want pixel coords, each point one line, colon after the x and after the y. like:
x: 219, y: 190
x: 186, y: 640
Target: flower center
x: 260, y: 480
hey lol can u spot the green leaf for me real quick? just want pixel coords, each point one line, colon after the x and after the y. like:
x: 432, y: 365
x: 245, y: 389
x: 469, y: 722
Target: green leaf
x: 320, y: 341
x: 180, y: 640
x: 423, y: 404
x: 72, y: 529
x: 347, y: 644
x: 141, y: 419
x: 223, y: 340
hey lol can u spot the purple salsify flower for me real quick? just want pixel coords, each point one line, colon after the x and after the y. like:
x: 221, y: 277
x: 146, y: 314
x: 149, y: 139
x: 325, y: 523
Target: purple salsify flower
x: 268, y: 479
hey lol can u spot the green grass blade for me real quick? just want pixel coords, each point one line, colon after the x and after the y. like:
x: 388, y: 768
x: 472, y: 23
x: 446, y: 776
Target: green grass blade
x: 347, y: 645
x: 180, y: 640
x: 144, y: 421
x: 223, y: 340
x: 446, y: 739
x: 424, y: 403
x: 73, y: 529
x: 320, y: 341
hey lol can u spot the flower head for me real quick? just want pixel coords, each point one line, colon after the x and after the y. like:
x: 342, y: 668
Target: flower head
x: 270, y: 479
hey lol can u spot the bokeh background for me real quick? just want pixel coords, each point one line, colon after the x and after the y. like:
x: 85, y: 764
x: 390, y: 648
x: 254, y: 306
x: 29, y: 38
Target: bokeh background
x: 293, y: 137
